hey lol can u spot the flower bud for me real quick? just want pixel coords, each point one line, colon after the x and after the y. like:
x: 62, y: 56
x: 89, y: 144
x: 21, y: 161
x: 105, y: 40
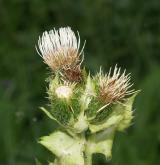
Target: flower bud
x: 63, y: 92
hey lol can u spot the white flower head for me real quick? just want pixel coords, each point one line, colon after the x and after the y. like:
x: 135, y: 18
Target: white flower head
x: 60, y: 48
x: 114, y: 86
x: 63, y: 92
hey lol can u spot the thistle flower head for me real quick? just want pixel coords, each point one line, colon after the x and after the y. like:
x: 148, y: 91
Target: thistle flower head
x: 114, y: 86
x: 81, y: 104
x: 60, y: 48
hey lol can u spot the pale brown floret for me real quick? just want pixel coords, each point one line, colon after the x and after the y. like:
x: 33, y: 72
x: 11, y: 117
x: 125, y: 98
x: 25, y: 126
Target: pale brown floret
x: 114, y: 87
x: 57, y: 60
x: 60, y: 49
x: 73, y: 74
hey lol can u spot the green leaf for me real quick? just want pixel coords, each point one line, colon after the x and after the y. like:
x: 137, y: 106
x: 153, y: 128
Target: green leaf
x: 50, y: 115
x: 81, y: 125
x: 101, y: 143
x: 88, y: 93
x: 127, y: 113
x: 69, y: 151
x: 120, y: 117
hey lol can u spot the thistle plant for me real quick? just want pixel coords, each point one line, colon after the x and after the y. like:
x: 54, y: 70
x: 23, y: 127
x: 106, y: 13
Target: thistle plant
x: 89, y: 109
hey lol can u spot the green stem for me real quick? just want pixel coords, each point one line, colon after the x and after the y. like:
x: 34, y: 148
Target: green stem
x: 87, y: 151
x: 88, y: 158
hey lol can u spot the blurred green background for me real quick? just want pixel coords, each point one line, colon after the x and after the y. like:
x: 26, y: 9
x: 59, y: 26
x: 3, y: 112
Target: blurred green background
x: 123, y: 32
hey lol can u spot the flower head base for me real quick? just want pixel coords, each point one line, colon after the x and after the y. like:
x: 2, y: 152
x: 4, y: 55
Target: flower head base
x: 60, y: 48
x: 63, y: 92
x: 114, y: 87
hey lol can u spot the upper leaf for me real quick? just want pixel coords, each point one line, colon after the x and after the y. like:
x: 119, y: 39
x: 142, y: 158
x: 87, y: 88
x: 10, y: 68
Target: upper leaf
x: 69, y: 151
